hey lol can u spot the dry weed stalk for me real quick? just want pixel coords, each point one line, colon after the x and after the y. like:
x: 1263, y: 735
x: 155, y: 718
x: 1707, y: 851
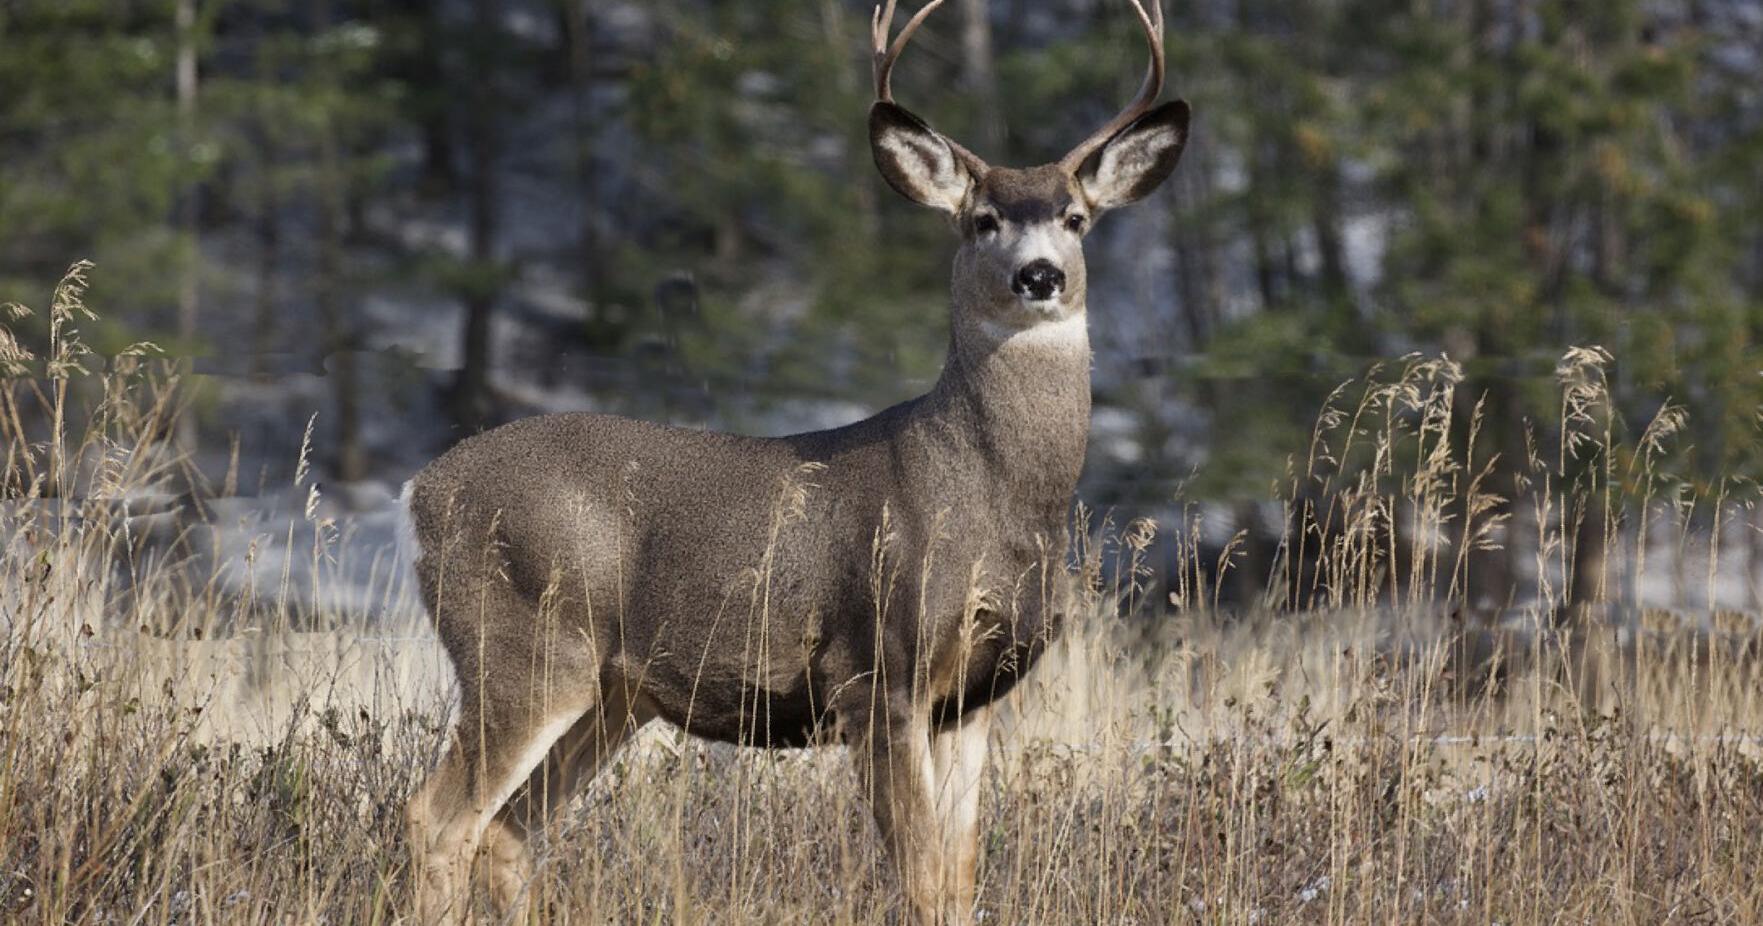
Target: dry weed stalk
x: 1350, y: 753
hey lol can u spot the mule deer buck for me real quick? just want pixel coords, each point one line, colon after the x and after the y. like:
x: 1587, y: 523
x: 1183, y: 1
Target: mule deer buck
x: 880, y: 584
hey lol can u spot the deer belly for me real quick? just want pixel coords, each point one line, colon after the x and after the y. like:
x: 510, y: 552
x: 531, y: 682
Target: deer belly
x: 747, y: 715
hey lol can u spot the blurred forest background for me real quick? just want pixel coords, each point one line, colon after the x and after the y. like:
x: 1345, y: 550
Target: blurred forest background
x: 416, y: 219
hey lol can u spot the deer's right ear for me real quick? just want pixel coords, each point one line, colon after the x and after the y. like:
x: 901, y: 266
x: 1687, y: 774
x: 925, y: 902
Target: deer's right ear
x: 917, y: 162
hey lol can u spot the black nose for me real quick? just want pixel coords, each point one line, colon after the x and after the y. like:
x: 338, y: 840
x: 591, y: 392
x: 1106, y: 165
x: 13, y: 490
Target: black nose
x: 1039, y: 280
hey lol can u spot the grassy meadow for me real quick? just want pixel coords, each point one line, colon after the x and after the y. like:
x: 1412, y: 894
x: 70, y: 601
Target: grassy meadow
x: 1361, y: 746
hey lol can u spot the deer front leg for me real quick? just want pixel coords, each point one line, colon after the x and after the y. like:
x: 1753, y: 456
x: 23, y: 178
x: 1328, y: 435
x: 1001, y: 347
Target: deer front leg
x: 959, y: 754
x: 899, y: 774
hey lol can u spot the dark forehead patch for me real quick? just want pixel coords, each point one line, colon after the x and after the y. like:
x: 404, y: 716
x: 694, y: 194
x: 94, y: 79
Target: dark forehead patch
x: 1023, y: 197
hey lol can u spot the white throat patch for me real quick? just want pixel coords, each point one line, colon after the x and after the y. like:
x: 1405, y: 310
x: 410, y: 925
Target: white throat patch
x: 1070, y: 331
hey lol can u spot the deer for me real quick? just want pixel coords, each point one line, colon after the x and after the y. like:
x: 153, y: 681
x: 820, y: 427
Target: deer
x: 878, y: 586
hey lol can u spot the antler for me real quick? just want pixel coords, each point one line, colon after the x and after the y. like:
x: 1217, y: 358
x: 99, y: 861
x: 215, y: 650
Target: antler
x: 1148, y: 91
x: 881, y: 22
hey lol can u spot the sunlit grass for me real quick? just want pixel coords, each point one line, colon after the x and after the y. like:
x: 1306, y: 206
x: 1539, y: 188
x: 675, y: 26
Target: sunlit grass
x: 1360, y: 746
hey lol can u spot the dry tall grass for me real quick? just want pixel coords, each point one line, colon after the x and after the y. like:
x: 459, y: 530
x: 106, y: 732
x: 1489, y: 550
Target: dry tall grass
x: 1358, y: 750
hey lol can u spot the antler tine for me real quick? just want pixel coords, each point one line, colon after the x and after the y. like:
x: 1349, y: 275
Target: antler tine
x: 1152, y: 21
x: 882, y: 22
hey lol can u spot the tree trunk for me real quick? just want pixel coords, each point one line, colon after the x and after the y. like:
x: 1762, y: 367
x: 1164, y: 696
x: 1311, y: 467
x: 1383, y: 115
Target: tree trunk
x: 268, y: 233
x: 1249, y: 576
x: 267, y: 225
x: 338, y: 338
x: 1588, y: 586
x: 1753, y: 558
x: 423, y: 71
x: 1195, y: 255
x: 980, y: 74
x: 339, y: 341
x: 580, y: 35
x: 188, y: 292
x: 1326, y: 222
x: 189, y: 263
x: 1264, y: 272
x: 472, y: 390
x: 1189, y: 290
x: 832, y: 20
x: 1261, y: 232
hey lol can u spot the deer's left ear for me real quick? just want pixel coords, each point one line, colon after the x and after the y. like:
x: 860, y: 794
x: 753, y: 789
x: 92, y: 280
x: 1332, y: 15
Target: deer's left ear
x: 1137, y: 158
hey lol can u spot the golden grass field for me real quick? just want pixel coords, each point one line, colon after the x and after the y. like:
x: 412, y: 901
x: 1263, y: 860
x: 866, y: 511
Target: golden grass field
x: 172, y: 754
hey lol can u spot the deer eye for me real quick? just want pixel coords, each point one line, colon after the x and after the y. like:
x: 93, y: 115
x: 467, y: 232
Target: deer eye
x: 1074, y: 223
x: 985, y: 224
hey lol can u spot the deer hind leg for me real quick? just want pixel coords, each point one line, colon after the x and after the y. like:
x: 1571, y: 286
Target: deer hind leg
x: 572, y: 764
x: 519, y: 695
x: 959, y: 755
x: 448, y: 817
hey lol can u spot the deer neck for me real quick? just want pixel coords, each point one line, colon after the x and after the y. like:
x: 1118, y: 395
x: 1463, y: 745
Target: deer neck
x: 1022, y: 400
